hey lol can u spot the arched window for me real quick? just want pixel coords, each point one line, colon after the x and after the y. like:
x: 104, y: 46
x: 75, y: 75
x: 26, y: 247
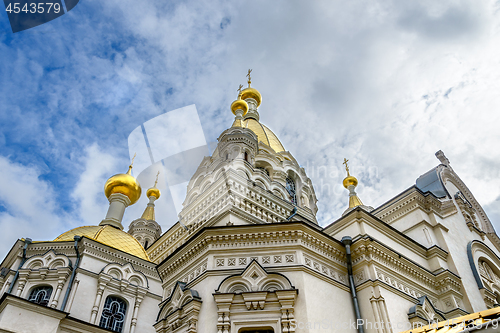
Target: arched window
x: 246, y: 157
x: 290, y: 187
x: 263, y: 169
x: 113, y: 314
x: 146, y: 245
x: 40, y: 295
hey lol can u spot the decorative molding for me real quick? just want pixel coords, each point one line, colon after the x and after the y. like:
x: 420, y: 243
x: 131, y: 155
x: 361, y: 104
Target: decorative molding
x: 238, y: 238
x: 256, y: 289
x: 411, y: 200
x: 50, y: 268
x: 179, y: 313
x: 125, y: 281
x: 188, y: 277
x: 424, y: 312
x: 325, y: 269
x: 469, y: 214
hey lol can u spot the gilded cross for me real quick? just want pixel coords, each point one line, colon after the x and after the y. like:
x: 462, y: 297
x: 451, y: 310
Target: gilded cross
x: 249, y: 77
x: 239, y: 90
x: 346, y: 165
x: 129, y: 172
x: 156, y: 181
x: 133, y: 158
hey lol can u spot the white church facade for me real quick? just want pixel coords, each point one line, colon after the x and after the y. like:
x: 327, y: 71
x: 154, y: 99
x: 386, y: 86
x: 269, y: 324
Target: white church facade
x: 248, y: 255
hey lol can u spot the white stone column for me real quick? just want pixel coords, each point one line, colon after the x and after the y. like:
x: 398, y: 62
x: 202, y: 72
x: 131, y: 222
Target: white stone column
x: 55, y: 300
x: 138, y: 300
x: 287, y: 301
x: 223, y: 306
x: 23, y: 278
x: 385, y: 316
x: 376, y: 314
x: 95, y: 309
x: 63, y: 276
x: 6, y: 285
x: 117, y: 204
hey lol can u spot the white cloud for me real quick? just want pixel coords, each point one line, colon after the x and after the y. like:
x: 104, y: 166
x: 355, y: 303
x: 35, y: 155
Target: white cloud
x: 31, y: 210
x: 88, y: 193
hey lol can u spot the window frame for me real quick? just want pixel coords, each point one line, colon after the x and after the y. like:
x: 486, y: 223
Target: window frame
x: 290, y: 180
x: 40, y: 286
x: 125, y: 314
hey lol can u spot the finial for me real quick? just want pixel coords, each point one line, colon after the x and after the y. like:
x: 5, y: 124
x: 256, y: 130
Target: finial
x: 153, y: 193
x: 156, y: 181
x: 346, y: 166
x: 239, y: 91
x: 129, y: 172
x: 249, y: 78
x: 442, y: 158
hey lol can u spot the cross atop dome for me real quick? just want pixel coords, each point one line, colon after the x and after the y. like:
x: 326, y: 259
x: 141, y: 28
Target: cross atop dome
x: 249, y: 78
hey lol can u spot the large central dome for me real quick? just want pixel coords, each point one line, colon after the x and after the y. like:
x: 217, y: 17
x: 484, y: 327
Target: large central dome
x: 264, y: 134
x: 110, y: 236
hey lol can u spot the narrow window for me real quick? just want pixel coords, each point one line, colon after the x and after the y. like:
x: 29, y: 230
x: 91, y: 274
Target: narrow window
x: 290, y: 187
x: 113, y: 314
x: 146, y: 245
x: 246, y: 157
x: 40, y: 295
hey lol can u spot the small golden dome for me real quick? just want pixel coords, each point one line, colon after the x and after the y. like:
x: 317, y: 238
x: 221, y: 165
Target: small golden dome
x: 110, y: 236
x: 125, y: 184
x: 252, y: 93
x: 350, y: 180
x: 239, y: 104
x: 153, y: 192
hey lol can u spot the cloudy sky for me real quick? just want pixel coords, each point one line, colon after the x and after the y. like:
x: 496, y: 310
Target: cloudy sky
x: 383, y: 83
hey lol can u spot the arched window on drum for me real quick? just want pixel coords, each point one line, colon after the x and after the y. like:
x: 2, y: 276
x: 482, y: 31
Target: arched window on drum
x: 113, y: 314
x: 291, y: 189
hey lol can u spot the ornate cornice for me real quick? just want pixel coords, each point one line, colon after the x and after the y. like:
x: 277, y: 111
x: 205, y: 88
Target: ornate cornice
x: 404, y: 275
x: 270, y: 236
x: 411, y: 200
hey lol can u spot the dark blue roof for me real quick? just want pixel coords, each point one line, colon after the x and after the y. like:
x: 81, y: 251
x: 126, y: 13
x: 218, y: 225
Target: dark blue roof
x: 431, y: 182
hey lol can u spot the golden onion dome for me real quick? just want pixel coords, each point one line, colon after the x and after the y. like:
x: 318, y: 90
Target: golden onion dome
x: 350, y: 180
x: 109, y: 236
x: 153, y: 192
x: 264, y: 134
x: 252, y: 93
x: 239, y: 104
x: 124, y: 183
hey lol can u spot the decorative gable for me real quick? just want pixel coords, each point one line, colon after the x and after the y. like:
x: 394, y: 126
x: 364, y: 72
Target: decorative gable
x: 179, y: 313
x: 424, y: 312
x: 257, y: 290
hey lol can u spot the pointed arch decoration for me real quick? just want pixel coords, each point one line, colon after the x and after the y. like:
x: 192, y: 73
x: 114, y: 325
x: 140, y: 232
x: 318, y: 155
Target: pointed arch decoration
x: 258, y: 290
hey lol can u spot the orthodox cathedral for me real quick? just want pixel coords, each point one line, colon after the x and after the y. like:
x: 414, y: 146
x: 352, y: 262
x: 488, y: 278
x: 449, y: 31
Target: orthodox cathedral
x: 248, y: 255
